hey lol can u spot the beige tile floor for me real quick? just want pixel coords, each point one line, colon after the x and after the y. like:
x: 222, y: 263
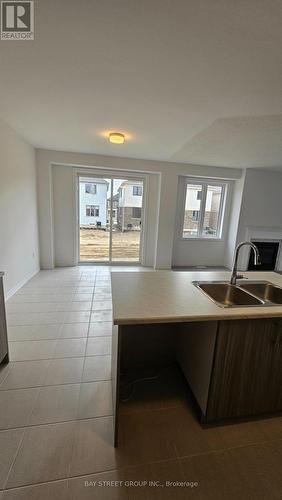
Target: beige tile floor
x: 56, y: 428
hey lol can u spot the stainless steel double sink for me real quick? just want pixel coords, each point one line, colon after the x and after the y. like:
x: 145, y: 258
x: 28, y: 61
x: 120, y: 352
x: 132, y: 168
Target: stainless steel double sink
x: 244, y: 293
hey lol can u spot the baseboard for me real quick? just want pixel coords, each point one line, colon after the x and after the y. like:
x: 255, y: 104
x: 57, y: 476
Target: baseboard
x: 15, y: 288
x: 163, y: 268
x: 200, y: 268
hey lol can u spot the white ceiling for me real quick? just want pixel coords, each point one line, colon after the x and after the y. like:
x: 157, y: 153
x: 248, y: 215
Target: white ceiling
x: 197, y: 81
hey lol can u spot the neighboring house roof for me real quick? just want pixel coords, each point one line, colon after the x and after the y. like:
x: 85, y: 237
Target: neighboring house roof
x: 130, y: 183
x: 91, y: 180
x: 115, y: 197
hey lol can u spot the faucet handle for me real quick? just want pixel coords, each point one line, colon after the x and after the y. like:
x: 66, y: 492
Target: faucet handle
x: 241, y: 277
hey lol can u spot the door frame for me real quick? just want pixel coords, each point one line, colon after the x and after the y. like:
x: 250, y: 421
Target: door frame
x: 109, y: 174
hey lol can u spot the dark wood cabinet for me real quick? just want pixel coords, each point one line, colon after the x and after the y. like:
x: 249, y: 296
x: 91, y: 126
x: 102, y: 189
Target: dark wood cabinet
x: 4, y: 355
x: 233, y: 368
x: 246, y: 377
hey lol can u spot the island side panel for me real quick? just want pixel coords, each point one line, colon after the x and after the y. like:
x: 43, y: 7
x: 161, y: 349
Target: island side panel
x: 195, y: 354
x: 116, y: 350
x: 4, y: 350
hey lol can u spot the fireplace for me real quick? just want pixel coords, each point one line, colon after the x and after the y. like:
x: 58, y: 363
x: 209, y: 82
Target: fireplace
x: 268, y: 251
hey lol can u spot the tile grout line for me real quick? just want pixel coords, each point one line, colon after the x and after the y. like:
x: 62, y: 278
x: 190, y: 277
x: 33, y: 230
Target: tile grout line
x: 8, y: 371
x: 15, y: 457
x: 66, y: 357
x: 38, y: 394
x: 229, y: 448
x: 65, y: 338
x: 130, y: 467
x: 82, y: 372
x: 55, y: 385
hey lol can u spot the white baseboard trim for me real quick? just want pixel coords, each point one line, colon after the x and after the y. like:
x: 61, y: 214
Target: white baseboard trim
x: 15, y: 288
x: 162, y: 268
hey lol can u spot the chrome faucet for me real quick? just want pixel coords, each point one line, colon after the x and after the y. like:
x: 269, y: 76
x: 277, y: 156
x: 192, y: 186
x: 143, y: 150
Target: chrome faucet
x: 257, y: 261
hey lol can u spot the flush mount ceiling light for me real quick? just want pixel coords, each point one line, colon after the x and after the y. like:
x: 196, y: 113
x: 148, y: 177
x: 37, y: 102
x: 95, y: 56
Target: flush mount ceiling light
x: 116, y: 138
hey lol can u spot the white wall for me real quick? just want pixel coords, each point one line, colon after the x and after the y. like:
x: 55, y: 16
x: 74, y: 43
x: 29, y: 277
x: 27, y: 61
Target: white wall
x: 64, y: 212
x: 162, y: 186
x: 261, y: 204
x: 18, y: 210
x: 235, y: 210
x: 262, y: 200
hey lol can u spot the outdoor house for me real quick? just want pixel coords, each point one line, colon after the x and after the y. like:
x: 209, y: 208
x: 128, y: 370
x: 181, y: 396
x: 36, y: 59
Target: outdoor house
x: 93, y: 202
x: 196, y: 196
x: 114, y: 209
x: 130, y: 205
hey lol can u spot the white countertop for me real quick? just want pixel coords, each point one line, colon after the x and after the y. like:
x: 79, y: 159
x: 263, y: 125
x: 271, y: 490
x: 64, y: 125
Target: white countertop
x: 167, y: 296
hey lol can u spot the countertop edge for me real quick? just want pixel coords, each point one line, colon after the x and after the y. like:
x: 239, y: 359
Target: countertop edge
x: 193, y: 319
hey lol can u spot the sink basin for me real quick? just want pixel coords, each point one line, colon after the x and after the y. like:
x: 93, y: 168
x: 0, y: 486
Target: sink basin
x: 264, y: 290
x: 227, y: 295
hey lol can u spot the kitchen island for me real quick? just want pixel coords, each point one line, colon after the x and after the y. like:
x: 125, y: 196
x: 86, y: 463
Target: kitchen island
x: 4, y: 350
x: 230, y: 357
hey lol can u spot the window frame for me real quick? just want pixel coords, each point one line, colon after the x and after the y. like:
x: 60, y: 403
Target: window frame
x: 138, y: 189
x: 94, y: 188
x: 195, y: 214
x: 90, y: 207
x: 221, y: 213
x: 138, y: 208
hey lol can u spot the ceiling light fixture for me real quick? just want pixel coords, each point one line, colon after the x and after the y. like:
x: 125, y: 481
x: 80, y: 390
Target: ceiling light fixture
x: 116, y: 138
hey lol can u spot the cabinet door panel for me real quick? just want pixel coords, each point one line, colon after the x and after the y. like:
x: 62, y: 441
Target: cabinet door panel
x: 247, y: 371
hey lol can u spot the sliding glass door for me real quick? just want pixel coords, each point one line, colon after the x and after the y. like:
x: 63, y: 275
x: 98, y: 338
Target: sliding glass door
x: 110, y: 218
x: 127, y: 220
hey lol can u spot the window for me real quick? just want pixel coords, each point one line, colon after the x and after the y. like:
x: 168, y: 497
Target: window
x: 92, y: 211
x: 195, y: 214
x: 91, y: 188
x: 204, y: 209
x: 136, y: 212
x: 137, y: 190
